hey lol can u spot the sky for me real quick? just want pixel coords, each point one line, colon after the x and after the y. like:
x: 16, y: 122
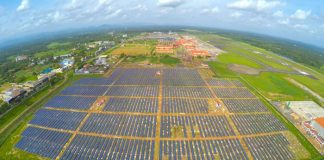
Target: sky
x: 301, y: 20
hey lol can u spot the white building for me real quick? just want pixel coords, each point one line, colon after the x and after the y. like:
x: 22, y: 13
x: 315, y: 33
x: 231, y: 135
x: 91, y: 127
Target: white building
x: 102, y: 60
x: 307, y: 110
x: 318, y: 125
x: 21, y: 58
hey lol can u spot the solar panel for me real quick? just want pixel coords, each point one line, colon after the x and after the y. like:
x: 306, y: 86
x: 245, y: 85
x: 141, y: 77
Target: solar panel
x: 95, y: 81
x: 123, y: 125
x: 85, y: 90
x: 87, y: 147
x: 71, y: 102
x: 58, y: 119
x: 43, y: 142
x: 133, y: 91
x: 143, y: 105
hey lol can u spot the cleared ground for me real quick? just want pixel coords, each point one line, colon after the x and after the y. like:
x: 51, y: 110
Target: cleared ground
x: 133, y: 49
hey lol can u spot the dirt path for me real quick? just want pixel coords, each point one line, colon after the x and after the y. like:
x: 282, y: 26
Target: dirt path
x: 319, y: 97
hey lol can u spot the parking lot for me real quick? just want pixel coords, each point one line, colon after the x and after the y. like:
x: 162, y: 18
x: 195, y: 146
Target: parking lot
x: 159, y: 113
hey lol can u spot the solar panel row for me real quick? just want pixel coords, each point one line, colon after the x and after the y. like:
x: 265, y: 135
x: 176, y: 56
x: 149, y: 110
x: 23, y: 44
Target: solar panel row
x: 202, y: 149
x: 85, y: 90
x: 133, y: 91
x: 252, y: 124
x: 58, y: 119
x: 245, y: 105
x: 95, y: 81
x: 71, y: 102
x: 270, y: 147
x: 123, y: 125
x: 87, y: 147
x: 173, y: 105
x: 195, y: 126
x: 147, y: 105
x: 233, y: 93
x: 43, y: 142
x: 193, y: 92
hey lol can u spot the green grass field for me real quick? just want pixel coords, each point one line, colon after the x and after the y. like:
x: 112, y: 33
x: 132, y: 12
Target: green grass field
x: 51, y: 53
x: 27, y: 74
x: 133, y: 50
x: 266, y: 57
x: 316, y: 85
x: 56, y: 45
x: 234, y: 58
x: 274, y: 86
x: 221, y: 70
x: 166, y: 59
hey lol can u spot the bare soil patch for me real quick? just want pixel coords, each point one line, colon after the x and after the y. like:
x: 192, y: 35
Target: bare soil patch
x: 243, y: 69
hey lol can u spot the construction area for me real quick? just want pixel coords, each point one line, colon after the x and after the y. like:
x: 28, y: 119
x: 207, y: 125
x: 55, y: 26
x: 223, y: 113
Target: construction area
x: 158, y: 113
x: 308, y: 117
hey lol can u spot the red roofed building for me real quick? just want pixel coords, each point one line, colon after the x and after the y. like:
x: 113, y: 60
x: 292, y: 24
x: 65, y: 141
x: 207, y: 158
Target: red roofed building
x: 201, y: 53
x: 191, y: 47
x: 318, y: 125
x: 165, y: 46
x: 164, y: 49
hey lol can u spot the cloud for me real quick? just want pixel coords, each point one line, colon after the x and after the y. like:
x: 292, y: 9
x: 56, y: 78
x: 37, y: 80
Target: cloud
x: 284, y: 21
x: 236, y: 15
x: 171, y: 3
x: 139, y: 7
x: 24, y: 5
x: 278, y: 14
x: 301, y: 26
x: 114, y: 14
x: 301, y: 14
x: 210, y: 10
x: 254, y: 5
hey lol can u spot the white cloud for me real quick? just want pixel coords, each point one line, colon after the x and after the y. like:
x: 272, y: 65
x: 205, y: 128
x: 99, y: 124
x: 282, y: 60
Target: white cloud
x: 171, y: 3
x: 301, y: 14
x: 24, y: 5
x: 139, y: 7
x: 241, y: 4
x: 278, y: 14
x: 284, y: 21
x: 236, y: 14
x: 301, y: 26
x: 267, y: 4
x: 210, y: 10
x: 254, y: 5
x: 114, y: 14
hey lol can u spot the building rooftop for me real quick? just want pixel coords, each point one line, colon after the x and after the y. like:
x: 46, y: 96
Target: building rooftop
x: 306, y: 109
x: 320, y: 121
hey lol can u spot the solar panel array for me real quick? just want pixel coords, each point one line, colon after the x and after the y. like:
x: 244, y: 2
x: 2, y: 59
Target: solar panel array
x: 89, y: 147
x: 193, y: 126
x: 71, y: 102
x: 205, y: 149
x: 145, y: 105
x: 58, y: 119
x: 121, y: 125
x: 43, y: 142
x: 130, y: 113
